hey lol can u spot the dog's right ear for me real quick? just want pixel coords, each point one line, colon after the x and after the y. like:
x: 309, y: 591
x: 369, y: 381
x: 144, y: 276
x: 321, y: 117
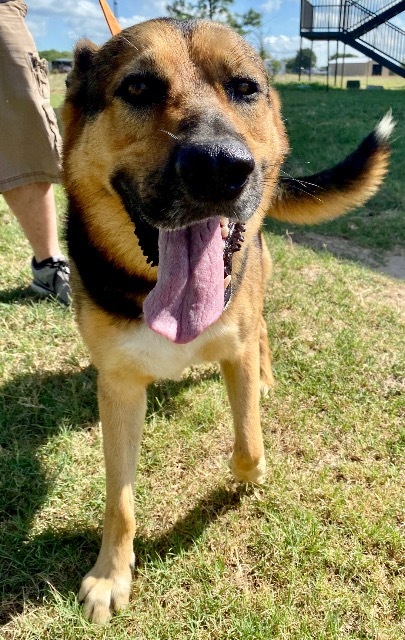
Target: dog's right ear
x: 80, y: 98
x: 81, y: 89
x: 83, y: 56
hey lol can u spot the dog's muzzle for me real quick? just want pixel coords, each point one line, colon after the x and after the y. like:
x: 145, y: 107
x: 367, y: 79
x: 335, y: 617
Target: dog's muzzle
x: 213, y: 171
x: 206, y: 192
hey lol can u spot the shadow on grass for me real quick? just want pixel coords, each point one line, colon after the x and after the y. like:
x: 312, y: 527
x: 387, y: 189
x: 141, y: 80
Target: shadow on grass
x: 34, y: 408
x: 186, y: 532
x: 59, y: 561
x: 390, y: 263
x: 19, y: 295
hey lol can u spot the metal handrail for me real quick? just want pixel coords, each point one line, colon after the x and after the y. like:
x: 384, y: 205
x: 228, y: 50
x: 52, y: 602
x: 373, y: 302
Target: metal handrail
x: 358, y: 25
x: 377, y: 7
x: 388, y: 39
x: 345, y: 16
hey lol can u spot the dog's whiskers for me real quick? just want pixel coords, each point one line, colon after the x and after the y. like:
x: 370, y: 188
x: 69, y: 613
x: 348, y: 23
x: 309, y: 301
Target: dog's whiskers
x: 239, y: 57
x: 307, y: 193
x: 168, y: 133
x: 131, y: 44
x: 302, y: 182
x: 303, y: 190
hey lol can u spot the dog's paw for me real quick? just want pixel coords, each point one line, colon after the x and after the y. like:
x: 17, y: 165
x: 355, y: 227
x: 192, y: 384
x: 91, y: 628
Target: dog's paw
x: 246, y: 473
x: 265, y: 390
x: 267, y: 382
x: 104, y: 594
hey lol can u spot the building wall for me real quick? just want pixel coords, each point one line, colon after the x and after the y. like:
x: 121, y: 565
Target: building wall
x: 356, y: 69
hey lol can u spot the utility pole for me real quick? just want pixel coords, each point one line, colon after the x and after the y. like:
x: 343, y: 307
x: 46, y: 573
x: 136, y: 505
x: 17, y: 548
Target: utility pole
x: 116, y: 8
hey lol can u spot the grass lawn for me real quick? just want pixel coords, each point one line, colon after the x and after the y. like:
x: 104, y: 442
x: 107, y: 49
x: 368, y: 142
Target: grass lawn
x: 324, y: 127
x: 315, y: 554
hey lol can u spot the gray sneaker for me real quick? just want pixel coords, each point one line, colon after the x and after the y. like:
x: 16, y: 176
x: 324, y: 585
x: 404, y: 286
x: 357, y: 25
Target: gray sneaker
x: 51, y: 278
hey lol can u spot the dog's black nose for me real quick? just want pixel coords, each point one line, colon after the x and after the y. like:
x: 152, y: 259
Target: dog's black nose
x: 214, y: 171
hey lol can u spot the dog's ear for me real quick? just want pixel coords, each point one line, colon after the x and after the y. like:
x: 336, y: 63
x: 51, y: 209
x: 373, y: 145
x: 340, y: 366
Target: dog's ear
x: 331, y: 193
x: 83, y: 56
x: 80, y: 90
x: 81, y: 86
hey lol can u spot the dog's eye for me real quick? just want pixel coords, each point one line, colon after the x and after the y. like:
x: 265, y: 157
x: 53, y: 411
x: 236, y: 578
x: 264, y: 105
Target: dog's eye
x: 245, y: 88
x: 242, y: 89
x: 136, y: 89
x: 142, y: 90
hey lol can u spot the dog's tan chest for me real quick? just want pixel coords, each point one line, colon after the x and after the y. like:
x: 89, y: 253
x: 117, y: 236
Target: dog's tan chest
x: 156, y: 357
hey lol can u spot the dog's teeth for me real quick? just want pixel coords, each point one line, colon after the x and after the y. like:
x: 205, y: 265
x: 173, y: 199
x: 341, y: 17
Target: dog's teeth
x: 227, y: 281
x: 224, y: 227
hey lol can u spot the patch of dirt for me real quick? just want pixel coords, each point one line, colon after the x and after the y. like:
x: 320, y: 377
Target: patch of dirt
x: 392, y: 263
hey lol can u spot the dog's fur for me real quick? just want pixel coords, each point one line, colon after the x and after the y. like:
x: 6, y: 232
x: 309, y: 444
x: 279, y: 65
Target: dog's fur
x: 205, y: 87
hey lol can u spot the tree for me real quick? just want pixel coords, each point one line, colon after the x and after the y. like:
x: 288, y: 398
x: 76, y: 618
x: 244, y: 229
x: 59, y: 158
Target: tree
x: 53, y: 54
x: 218, y: 10
x: 306, y: 59
x: 245, y: 22
x: 342, y: 55
x: 273, y: 67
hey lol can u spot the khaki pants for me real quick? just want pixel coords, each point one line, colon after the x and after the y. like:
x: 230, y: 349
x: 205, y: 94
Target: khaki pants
x: 30, y: 144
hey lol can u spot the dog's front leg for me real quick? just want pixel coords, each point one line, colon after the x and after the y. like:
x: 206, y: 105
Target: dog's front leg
x: 242, y: 377
x: 106, y: 587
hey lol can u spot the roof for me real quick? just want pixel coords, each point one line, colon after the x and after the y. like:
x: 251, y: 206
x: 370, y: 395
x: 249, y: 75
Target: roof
x: 359, y: 60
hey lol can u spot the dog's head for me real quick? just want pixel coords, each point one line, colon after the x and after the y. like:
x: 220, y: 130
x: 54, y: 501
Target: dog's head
x: 172, y: 126
x: 180, y: 122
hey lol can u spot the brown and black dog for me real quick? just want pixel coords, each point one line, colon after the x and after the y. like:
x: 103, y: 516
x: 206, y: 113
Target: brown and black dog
x: 173, y: 145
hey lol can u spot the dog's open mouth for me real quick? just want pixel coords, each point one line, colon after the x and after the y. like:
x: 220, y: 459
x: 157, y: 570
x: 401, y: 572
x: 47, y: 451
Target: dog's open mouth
x: 194, y: 265
x: 194, y: 278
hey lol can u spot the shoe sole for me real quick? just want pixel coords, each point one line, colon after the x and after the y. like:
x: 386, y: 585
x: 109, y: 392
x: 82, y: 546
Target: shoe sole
x: 46, y: 293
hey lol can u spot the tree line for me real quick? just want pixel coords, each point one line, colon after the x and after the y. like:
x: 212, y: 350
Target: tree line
x: 249, y: 23
x: 54, y: 54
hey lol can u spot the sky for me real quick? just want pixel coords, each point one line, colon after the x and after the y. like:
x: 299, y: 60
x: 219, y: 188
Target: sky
x: 57, y: 24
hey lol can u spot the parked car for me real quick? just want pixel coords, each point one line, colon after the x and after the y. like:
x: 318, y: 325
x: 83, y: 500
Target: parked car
x: 61, y: 65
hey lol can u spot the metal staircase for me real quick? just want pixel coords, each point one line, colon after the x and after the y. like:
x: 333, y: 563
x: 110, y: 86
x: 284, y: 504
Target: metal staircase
x: 363, y: 25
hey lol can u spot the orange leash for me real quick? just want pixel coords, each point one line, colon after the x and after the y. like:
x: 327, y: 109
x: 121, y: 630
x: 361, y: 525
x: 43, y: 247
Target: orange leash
x: 110, y: 18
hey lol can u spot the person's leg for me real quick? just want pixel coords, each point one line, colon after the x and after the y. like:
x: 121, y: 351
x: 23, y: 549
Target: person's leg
x: 30, y: 150
x: 34, y: 207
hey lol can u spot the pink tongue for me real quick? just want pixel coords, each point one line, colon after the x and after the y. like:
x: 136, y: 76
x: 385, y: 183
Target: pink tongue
x: 189, y: 293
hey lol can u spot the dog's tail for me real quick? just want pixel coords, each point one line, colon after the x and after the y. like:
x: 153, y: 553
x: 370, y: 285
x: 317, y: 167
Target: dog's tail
x: 329, y: 194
